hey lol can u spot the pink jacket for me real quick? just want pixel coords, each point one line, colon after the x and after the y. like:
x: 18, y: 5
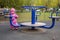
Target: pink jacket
x: 14, y: 16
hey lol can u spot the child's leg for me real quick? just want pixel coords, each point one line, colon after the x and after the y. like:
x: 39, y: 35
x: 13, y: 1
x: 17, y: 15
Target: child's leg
x: 16, y: 28
x: 11, y: 27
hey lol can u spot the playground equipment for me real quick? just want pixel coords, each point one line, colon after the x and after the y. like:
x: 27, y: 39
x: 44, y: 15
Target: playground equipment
x: 57, y: 12
x: 38, y: 13
x: 1, y: 11
x: 33, y: 24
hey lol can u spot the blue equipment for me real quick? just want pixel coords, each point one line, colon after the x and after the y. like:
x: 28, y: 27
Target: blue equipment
x: 33, y: 24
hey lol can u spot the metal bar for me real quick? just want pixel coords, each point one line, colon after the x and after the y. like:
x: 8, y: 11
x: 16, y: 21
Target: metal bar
x: 52, y: 25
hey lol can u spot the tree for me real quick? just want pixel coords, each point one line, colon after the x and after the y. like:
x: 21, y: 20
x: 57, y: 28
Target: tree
x: 53, y: 3
x: 18, y: 3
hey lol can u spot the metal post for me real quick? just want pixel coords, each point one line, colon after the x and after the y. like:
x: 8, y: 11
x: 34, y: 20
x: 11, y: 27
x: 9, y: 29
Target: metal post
x: 36, y: 18
x: 33, y: 16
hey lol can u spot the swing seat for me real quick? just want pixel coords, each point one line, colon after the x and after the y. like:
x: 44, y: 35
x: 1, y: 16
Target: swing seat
x: 56, y: 17
x: 16, y: 25
x: 6, y: 15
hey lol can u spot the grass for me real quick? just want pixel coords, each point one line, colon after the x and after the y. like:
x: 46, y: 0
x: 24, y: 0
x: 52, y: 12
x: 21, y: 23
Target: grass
x: 26, y: 16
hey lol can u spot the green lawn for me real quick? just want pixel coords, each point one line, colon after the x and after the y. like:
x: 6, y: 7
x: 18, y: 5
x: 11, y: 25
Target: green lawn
x: 26, y: 16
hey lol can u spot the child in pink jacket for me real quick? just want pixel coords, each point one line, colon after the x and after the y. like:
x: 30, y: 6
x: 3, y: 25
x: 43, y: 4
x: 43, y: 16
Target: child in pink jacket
x: 14, y: 19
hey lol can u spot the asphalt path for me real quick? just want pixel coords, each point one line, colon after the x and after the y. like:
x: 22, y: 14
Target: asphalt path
x: 50, y: 34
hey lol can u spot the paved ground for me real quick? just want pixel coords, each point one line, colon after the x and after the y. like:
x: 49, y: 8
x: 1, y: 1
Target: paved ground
x: 5, y: 34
